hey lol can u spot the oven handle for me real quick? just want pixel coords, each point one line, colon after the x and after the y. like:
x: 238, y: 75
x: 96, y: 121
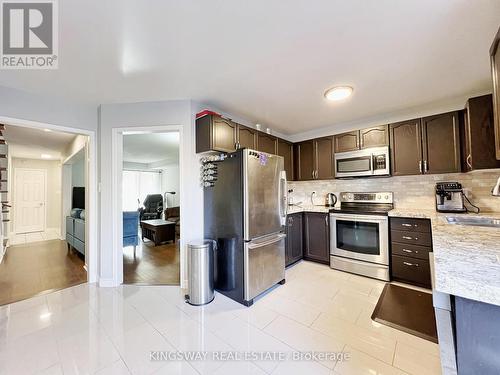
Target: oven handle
x: 364, y: 218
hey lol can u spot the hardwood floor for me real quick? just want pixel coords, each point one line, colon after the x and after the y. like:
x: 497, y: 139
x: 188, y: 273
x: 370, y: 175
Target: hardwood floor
x: 152, y: 265
x: 34, y: 268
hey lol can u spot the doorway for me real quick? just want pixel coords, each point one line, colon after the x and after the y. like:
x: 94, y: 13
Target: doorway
x: 37, y: 255
x: 151, y: 208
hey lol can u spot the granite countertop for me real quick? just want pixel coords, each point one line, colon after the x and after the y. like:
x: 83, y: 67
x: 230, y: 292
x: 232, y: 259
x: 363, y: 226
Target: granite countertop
x: 466, y: 258
x: 307, y: 208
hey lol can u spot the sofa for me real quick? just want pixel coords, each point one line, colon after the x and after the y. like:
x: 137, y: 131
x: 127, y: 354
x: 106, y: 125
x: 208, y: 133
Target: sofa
x: 173, y: 214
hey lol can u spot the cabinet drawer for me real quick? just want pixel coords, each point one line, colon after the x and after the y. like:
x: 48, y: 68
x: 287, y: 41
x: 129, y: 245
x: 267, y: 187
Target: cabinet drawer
x: 410, y: 224
x: 69, y: 239
x: 413, y: 251
x: 412, y: 238
x: 69, y: 225
x: 79, y: 246
x: 80, y: 230
x: 411, y: 270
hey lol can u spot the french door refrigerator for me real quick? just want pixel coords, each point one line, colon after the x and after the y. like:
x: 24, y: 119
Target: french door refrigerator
x: 245, y: 213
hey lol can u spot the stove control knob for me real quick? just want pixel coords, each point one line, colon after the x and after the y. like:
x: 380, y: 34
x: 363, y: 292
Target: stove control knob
x: 349, y: 196
x: 386, y: 197
x: 378, y: 197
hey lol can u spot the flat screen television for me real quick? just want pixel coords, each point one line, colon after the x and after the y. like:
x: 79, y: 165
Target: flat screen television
x: 78, y: 197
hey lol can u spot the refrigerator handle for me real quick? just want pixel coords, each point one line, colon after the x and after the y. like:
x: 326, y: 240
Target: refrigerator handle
x: 283, y: 197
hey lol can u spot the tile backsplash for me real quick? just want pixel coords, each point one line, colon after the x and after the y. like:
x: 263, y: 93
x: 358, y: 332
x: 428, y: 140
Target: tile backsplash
x: 409, y: 191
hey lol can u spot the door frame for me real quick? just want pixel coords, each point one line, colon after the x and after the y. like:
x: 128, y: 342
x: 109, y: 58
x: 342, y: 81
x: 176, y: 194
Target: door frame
x: 44, y: 171
x: 117, y: 186
x: 91, y: 230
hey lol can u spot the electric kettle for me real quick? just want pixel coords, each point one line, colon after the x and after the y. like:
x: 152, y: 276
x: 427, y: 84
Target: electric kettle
x: 330, y: 200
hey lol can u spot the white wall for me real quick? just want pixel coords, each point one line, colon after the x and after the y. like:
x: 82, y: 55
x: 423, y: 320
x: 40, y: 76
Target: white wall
x: 54, y: 197
x: 170, y: 182
x: 22, y: 105
x: 78, y: 173
x: 178, y: 112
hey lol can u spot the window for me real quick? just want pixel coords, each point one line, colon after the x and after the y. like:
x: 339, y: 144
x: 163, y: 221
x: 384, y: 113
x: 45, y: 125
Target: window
x: 137, y: 185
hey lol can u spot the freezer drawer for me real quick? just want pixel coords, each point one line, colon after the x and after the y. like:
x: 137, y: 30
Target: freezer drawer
x: 264, y: 264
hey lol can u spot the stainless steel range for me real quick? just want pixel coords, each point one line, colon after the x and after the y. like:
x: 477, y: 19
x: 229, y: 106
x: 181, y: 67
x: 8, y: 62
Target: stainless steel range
x: 359, y: 234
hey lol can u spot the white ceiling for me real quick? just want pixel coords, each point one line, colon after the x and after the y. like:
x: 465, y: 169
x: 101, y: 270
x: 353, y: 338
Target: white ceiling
x: 31, y: 143
x: 270, y: 61
x: 151, y: 148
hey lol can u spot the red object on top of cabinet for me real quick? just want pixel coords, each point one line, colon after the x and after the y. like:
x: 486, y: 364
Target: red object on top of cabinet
x: 206, y: 112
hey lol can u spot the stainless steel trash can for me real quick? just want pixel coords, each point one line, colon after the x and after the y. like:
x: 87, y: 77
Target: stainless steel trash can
x: 201, y: 272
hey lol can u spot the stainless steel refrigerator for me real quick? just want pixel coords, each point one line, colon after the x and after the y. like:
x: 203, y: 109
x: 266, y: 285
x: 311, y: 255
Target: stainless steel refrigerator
x: 245, y: 212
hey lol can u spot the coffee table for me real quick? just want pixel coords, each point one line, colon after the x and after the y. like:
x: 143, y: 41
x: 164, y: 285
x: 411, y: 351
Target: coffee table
x: 158, y: 230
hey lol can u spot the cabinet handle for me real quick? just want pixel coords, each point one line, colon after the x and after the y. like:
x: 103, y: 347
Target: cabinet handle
x: 410, y: 264
x: 317, y: 174
x: 312, y: 174
x: 408, y: 238
x: 326, y: 220
x: 469, y: 163
x: 406, y: 225
x: 426, y: 167
x: 420, y: 166
x: 407, y: 251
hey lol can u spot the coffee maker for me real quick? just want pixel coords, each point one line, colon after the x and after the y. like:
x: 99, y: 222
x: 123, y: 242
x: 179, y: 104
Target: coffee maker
x: 450, y: 197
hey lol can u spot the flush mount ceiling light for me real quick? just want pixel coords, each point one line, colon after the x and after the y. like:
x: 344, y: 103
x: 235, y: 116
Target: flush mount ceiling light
x: 47, y: 130
x: 338, y: 93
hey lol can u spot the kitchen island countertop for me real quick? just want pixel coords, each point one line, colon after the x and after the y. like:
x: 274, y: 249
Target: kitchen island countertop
x: 466, y: 258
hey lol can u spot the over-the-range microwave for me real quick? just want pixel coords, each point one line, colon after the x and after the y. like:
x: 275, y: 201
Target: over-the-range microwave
x: 362, y: 163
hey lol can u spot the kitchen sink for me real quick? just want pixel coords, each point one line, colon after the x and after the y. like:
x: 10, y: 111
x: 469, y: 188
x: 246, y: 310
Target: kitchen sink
x: 471, y: 220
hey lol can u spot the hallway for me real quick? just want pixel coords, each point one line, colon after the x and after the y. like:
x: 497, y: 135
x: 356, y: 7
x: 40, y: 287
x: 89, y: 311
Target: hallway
x: 30, y: 269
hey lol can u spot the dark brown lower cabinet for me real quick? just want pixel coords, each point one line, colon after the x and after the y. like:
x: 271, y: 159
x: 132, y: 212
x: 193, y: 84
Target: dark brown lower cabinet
x: 294, y: 239
x: 410, y: 250
x: 317, y: 237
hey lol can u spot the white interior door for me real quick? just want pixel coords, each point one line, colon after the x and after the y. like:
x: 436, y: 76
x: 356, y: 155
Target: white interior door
x: 29, y: 200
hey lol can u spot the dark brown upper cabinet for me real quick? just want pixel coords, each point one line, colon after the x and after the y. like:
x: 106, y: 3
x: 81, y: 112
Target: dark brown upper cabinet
x: 304, y: 160
x: 324, y: 158
x: 427, y: 145
x: 246, y: 137
x: 314, y: 159
x: 214, y: 133
x: 285, y: 149
x: 495, y: 71
x: 406, y: 148
x: 477, y: 131
x: 375, y: 136
x: 347, y: 141
x: 441, y: 143
x: 316, y: 237
x: 267, y: 143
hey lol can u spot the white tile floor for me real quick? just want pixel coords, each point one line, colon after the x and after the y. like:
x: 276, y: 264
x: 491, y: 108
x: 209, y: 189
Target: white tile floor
x: 91, y: 330
x: 22, y: 239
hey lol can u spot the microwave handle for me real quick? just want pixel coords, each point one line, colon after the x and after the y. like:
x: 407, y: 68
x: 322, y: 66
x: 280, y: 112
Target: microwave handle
x: 372, y: 163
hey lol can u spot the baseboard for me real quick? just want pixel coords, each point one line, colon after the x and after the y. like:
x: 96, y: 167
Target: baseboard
x: 107, y: 283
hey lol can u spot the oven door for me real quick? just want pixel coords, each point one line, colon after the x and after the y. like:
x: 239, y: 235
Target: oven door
x: 361, y: 237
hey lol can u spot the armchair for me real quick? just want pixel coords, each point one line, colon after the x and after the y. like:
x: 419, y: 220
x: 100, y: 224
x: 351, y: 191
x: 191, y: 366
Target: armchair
x: 153, y: 207
x: 131, y: 229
